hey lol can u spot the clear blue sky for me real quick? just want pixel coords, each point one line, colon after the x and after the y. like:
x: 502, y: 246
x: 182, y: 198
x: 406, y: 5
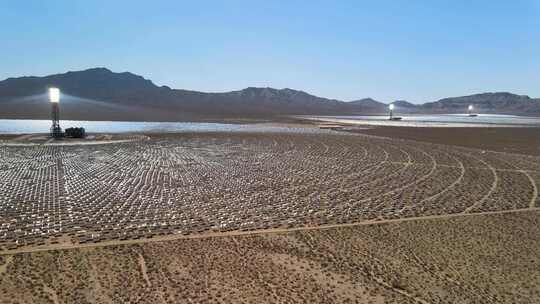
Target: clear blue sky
x: 414, y: 50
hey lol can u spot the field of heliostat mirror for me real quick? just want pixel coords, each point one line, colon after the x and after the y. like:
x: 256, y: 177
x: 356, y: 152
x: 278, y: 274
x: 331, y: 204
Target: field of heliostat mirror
x: 303, y: 216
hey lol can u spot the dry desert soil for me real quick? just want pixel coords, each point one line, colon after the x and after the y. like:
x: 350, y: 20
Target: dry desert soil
x: 473, y: 259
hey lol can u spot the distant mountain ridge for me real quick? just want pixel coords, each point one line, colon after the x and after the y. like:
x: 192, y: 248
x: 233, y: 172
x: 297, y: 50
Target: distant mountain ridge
x: 100, y: 94
x: 500, y: 102
x: 127, y: 96
x: 369, y: 103
x: 404, y: 104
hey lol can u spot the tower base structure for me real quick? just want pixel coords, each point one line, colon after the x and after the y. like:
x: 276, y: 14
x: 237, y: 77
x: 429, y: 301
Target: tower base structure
x: 56, y: 132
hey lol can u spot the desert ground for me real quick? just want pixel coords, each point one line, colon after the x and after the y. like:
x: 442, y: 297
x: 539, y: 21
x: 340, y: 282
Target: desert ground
x: 305, y: 216
x: 469, y: 259
x: 510, y: 139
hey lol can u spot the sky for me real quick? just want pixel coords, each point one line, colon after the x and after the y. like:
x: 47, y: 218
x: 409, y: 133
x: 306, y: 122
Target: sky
x: 418, y: 51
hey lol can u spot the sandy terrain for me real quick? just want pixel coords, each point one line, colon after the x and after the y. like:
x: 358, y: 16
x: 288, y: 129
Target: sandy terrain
x: 513, y: 140
x: 468, y: 259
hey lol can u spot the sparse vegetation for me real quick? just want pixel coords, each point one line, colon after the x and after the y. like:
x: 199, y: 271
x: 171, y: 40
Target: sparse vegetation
x: 477, y: 259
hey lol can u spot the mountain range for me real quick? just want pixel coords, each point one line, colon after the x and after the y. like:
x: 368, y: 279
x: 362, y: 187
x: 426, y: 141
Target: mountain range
x: 100, y: 94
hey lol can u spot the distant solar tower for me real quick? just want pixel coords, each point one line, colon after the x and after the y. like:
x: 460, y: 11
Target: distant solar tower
x: 54, y: 98
x: 391, y: 108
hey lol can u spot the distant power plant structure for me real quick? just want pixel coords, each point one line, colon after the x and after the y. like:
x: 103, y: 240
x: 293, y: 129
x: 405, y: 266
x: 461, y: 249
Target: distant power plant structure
x: 391, y: 116
x: 56, y: 130
x: 75, y: 132
x: 470, y: 109
x: 54, y: 98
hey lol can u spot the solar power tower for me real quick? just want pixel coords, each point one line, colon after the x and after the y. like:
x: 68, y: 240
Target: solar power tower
x: 54, y: 98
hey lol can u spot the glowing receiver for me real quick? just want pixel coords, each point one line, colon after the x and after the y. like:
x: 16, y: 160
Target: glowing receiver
x: 54, y: 95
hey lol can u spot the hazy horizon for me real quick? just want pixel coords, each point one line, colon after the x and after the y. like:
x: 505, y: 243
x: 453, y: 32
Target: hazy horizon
x: 399, y: 50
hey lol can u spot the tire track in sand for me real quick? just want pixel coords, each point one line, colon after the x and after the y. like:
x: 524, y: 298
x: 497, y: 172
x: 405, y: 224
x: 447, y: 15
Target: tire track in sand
x: 491, y: 190
x: 534, y: 197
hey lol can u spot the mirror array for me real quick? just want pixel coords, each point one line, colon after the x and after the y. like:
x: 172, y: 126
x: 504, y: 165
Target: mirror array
x: 197, y: 183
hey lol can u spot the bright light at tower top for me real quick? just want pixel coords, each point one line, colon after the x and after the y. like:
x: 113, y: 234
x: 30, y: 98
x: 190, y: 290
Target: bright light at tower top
x: 54, y: 95
x: 391, y: 106
x: 471, y: 107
